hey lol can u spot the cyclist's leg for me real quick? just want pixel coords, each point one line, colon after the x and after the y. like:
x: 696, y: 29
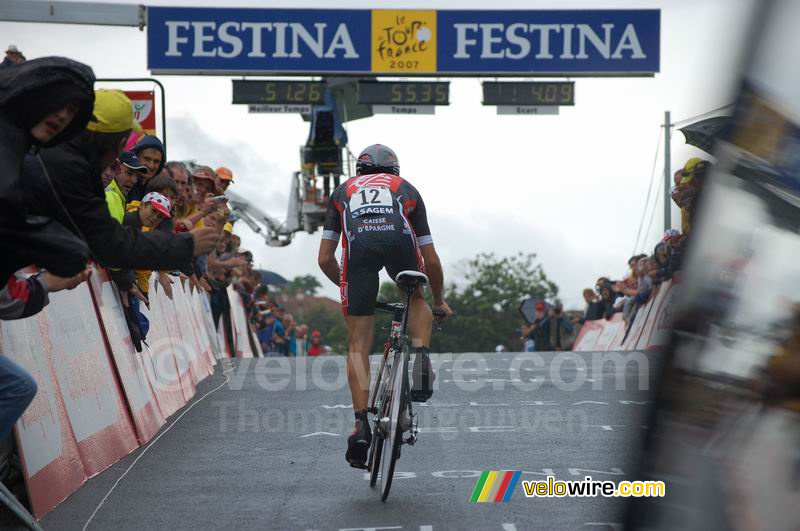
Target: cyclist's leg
x: 420, y: 320
x: 359, y: 291
x: 360, y: 331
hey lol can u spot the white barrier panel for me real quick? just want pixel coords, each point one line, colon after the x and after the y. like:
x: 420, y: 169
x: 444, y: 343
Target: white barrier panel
x: 162, y: 368
x: 662, y: 324
x: 202, y: 311
x: 48, y: 449
x: 196, y: 328
x: 240, y: 325
x: 655, y: 312
x: 165, y: 336
x: 587, y: 337
x: 147, y: 416
x: 610, y: 333
x: 651, y: 328
x: 195, y: 355
x: 81, y: 386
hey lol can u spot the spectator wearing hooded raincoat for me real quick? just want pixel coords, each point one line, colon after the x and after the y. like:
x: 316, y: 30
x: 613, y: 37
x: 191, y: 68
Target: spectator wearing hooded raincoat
x: 150, y: 151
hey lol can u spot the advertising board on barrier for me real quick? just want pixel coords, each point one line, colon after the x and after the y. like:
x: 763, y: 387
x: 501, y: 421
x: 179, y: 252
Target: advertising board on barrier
x: 144, y: 109
x: 408, y: 42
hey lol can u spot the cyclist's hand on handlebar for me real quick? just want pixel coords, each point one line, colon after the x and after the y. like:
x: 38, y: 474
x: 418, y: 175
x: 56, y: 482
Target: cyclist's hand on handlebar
x: 441, y: 311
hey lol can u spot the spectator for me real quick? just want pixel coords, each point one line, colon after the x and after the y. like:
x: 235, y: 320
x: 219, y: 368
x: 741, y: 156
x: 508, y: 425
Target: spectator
x: 74, y: 170
x: 13, y: 57
x: 151, y: 153
x: 279, y: 333
x: 266, y: 325
x: 672, y: 238
x: 560, y: 327
x: 539, y: 330
x: 43, y: 103
x: 608, y: 301
x: 183, y: 201
x: 302, y: 331
x: 593, y: 308
x: 315, y: 348
x: 224, y: 177
x: 117, y: 191
x: 662, y: 270
x: 290, y: 335
x: 153, y: 209
x: 110, y: 172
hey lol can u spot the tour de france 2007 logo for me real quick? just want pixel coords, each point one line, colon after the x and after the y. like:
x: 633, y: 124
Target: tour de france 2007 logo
x: 403, y: 41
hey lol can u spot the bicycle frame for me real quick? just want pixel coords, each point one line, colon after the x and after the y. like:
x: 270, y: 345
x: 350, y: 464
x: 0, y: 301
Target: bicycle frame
x: 394, y: 343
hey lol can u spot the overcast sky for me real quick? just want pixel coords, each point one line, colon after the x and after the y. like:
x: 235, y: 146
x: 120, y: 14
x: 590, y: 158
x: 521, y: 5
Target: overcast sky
x: 570, y: 188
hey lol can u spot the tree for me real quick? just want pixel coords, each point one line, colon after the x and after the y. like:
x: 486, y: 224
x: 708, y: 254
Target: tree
x: 486, y: 307
x: 307, y: 285
x: 331, y: 325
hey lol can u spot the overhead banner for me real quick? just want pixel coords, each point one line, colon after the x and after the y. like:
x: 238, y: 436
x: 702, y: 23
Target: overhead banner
x: 408, y: 42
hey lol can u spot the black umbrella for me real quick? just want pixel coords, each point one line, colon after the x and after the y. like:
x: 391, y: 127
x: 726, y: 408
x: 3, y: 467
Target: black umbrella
x: 528, y: 308
x: 272, y: 278
x: 704, y: 133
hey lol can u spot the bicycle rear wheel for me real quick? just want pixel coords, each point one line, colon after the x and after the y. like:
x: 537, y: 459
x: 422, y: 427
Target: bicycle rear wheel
x: 394, y: 435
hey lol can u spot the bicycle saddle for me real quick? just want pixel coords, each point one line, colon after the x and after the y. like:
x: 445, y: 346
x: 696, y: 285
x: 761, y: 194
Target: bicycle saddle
x: 411, y: 279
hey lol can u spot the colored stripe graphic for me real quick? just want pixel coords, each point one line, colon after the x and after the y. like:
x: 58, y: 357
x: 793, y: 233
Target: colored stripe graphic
x: 495, y: 486
x: 512, y: 485
x: 479, y: 487
x: 487, y: 486
x: 498, y: 482
x: 498, y: 497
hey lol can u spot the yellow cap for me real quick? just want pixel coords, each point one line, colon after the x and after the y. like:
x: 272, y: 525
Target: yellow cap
x: 112, y: 113
x: 688, y: 169
x: 228, y: 227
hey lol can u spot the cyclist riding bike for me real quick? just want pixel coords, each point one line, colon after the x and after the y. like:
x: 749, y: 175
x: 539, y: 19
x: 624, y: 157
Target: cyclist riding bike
x: 382, y: 221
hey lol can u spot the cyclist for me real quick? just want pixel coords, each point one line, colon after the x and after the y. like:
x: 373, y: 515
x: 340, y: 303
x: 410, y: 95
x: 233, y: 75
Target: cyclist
x: 383, y: 223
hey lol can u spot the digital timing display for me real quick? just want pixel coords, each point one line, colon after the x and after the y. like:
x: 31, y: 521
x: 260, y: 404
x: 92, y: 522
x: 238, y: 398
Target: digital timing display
x: 298, y: 92
x: 403, y: 93
x: 529, y: 93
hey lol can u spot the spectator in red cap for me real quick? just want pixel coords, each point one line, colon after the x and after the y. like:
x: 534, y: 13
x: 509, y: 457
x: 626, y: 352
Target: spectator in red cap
x: 539, y: 330
x: 315, y: 348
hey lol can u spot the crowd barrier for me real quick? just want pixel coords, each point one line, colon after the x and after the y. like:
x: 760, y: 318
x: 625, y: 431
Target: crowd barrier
x: 650, y: 328
x: 99, y: 399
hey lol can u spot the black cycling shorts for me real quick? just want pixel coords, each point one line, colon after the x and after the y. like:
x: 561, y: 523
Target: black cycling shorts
x: 362, y: 261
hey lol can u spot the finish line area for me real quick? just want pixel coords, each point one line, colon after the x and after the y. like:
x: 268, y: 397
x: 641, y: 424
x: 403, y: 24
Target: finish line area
x: 248, y: 457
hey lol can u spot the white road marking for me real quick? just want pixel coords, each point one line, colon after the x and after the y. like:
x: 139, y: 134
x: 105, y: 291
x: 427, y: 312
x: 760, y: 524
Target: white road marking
x: 321, y: 433
x: 509, y: 527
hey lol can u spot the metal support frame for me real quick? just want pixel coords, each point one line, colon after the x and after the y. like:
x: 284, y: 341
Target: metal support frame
x: 100, y: 13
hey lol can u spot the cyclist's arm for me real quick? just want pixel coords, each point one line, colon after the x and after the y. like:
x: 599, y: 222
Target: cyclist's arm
x: 330, y: 240
x: 327, y: 260
x: 433, y: 266
x: 433, y: 269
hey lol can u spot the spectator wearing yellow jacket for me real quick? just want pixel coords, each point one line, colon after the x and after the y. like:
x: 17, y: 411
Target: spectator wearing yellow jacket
x: 129, y: 170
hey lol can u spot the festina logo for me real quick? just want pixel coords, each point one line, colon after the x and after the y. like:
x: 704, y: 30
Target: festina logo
x: 273, y: 39
x: 520, y: 40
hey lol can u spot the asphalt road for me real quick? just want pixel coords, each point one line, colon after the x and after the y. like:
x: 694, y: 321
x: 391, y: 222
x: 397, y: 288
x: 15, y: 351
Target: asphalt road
x: 266, y: 450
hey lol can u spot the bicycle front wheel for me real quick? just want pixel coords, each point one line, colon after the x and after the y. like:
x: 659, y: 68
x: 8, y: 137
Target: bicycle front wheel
x: 394, y: 435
